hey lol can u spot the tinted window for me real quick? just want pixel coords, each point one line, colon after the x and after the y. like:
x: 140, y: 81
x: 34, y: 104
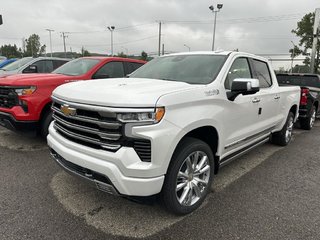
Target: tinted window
x: 131, y: 67
x: 111, y: 70
x: 17, y: 64
x: 193, y: 69
x: 308, y: 81
x: 58, y: 63
x: 239, y: 69
x: 77, y: 67
x: 262, y: 73
x: 44, y: 66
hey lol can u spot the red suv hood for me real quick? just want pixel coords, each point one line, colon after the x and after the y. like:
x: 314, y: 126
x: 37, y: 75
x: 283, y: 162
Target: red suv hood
x: 34, y: 79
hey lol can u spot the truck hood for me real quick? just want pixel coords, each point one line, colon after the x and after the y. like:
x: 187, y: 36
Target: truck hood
x: 32, y: 79
x: 120, y: 92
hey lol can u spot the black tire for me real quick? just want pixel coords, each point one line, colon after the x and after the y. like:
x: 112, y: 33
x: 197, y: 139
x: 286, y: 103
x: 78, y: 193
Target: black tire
x: 308, y: 122
x: 281, y: 138
x: 169, y: 195
x: 44, y: 124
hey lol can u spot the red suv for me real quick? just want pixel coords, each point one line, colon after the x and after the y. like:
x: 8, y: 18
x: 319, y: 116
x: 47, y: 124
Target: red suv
x: 25, y: 99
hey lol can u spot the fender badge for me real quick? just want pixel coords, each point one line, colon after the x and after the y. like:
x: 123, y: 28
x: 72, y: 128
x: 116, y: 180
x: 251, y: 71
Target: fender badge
x: 211, y: 92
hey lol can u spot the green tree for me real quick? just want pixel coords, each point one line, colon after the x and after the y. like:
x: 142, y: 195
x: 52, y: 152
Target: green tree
x: 10, y: 51
x: 122, y: 54
x: 144, y: 56
x: 85, y: 52
x: 304, y: 31
x: 33, y: 46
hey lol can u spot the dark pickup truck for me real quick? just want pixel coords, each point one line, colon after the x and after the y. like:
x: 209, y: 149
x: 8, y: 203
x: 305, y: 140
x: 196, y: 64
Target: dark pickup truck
x: 310, y: 95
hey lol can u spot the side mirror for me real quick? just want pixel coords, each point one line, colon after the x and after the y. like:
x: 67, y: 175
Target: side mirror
x: 31, y: 69
x: 244, y: 86
x: 100, y: 76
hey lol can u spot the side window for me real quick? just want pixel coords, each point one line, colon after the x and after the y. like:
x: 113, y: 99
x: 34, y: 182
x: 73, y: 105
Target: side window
x: 110, y: 70
x: 44, y: 66
x: 239, y: 69
x: 131, y: 67
x: 58, y: 63
x: 262, y: 73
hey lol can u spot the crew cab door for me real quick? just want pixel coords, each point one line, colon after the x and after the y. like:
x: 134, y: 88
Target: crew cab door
x: 268, y: 98
x: 240, y: 115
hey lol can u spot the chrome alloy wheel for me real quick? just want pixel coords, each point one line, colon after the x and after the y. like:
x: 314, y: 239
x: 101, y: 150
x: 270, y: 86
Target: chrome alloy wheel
x: 312, y: 119
x: 192, y: 179
x: 289, y: 129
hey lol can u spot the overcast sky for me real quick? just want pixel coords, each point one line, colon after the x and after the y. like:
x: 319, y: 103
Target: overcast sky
x: 256, y: 26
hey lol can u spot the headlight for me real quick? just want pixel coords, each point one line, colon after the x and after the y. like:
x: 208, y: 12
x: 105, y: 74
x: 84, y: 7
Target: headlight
x: 152, y: 117
x: 23, y: 91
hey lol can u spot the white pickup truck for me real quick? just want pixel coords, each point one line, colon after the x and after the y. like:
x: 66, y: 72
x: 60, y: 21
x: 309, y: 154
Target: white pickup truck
x: 169, y: 127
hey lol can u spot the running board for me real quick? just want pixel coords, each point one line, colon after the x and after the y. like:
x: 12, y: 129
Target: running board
x: 243, y: 151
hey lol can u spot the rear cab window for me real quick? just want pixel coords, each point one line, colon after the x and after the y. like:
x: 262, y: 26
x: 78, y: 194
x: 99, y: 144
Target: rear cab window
x: 262, y: 73
x: 299, y: 80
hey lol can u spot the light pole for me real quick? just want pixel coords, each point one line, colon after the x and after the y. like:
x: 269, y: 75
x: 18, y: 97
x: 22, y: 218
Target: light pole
x: 219, y: 6
x: 187, y: 46
x: 50, y: 30
x: 111, y: 29
x: 293, y: 52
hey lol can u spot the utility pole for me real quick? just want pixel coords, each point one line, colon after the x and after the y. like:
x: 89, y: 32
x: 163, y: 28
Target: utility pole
x: 159, y: 47
x: 1, y: 22
x: 50, y: 30
x: 111, y: 29
x: 163, y: 49
x: 219, y: 6
x: 316, y: 29
x: 64, y: 36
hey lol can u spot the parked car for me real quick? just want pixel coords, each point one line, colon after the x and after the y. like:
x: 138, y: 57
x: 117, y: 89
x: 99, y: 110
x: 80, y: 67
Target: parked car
x: 25, y: 99
x: 33, y: 65
x: 7, y: 61
x: 170, y: 126
x: 310, y: 95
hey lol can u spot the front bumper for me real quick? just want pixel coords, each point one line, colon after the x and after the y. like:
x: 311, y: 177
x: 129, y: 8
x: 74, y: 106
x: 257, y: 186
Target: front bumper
x: 9, y: 122
x: 123, y: 169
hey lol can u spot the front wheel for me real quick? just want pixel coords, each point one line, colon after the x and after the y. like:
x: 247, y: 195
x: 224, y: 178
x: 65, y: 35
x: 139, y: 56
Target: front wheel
x: 284, y: 136
x: 45, y: 122
x: 308, y: 122
x: 189, y: 177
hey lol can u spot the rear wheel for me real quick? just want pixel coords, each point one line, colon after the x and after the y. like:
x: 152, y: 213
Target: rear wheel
x: 45, y: 122
x: 284, y: 136
x: 307, y: 123
x: 189, y: 177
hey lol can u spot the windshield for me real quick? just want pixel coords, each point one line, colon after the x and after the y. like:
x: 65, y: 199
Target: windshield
x: 17, y: 64
x: 76, y: 67
x: 193, y: 69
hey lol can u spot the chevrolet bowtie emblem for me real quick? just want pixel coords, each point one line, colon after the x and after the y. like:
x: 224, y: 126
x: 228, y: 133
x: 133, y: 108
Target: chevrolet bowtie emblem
x: 67, y: 110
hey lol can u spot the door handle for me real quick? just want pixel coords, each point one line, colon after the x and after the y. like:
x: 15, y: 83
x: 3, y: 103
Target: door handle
x: 255, y: 100
x: 277, y: 97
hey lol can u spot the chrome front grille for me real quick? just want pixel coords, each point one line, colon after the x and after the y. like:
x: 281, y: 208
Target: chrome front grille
x: 91, y: 128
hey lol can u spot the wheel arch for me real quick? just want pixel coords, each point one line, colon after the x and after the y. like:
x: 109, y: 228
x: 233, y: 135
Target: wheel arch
x: 209, y: 135
x: 46, y: 108
x: 294, y: 110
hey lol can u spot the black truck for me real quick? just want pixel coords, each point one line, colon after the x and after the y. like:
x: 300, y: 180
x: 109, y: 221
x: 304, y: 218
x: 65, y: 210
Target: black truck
x: 310, y: 95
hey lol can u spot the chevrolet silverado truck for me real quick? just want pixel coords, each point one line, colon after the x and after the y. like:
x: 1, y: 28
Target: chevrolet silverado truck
x: 310, y: 95
x: 171, y: 125
x: 25, y: 99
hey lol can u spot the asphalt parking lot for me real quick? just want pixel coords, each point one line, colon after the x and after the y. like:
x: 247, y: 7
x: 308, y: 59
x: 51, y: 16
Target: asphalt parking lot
x: 269, y: 193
